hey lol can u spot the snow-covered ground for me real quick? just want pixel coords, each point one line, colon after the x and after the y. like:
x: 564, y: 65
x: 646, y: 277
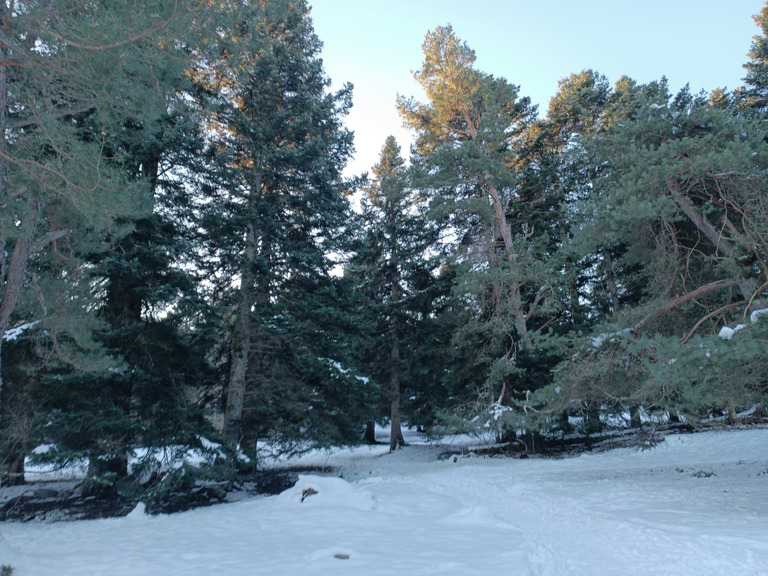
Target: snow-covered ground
x: 694, y: 504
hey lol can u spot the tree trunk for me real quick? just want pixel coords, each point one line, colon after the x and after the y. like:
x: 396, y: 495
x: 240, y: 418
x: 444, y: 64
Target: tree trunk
x: 3, y: 239
x: 370, y: 433
x: 242, y: 335
x: 396, y: 433
x: 241, y: 346
x: 16, y: 470
x: 519, y: 317
x: 518, y: 314
x: 747, y: 286
x: 610, y: 280
x: 573, y: 291
x: 15, y: 274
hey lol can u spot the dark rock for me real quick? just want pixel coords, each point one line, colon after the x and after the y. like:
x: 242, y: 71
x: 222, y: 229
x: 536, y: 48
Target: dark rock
x: 45, y: 493
x: 92, y: 498
x: 275, y: 481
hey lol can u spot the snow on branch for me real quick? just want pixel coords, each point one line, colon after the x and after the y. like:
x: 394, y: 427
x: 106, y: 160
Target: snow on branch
x: 12, y: 334
x: 726, y: 333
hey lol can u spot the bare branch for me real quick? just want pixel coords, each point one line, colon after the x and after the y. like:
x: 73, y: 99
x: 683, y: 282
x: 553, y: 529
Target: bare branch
x: 62, y: 113
x: 536, y: 300
x: 48, y: 238
x: 755, y: 296
x: 692, y: 331
x: 705, y: 227
x: 680, y: 300
x: 130, y: 40
x: 26, y: 164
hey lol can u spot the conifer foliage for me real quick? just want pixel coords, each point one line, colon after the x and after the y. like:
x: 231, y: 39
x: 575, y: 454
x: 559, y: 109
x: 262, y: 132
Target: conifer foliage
x: 277, y: 214
x: 392, y: 272
x: 180, y: 258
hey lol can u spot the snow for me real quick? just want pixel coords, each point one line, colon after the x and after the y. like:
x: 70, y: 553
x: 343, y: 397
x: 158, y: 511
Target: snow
x: 153, y: 460
x: 598, y: 340
x: 14, y: 333
x: 45, y: 471
x: 726, y: 333
x: 337, y: 366
x: 694, y: 504
x: 755, y: 316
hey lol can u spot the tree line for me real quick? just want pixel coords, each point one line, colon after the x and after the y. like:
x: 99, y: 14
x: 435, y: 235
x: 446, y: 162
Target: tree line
x: 180, y: 258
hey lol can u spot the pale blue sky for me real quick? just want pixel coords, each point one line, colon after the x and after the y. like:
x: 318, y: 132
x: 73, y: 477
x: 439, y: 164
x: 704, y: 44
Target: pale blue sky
x: 376, y: 45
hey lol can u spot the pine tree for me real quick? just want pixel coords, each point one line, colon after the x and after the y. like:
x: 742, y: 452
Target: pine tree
x: 673, y: 193
x: 63, y: 195
x: 472, y: 140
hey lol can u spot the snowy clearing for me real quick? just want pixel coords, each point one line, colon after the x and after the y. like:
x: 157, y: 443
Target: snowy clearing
x: 694, y: 504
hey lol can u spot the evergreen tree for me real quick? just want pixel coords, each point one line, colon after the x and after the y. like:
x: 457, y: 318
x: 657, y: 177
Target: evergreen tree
x: 276, y: 215
x: 755, y: 91
x: 149, y: 305
x: 63, y: 194
x: 392, y: 270
x: 673, y: 193
x: 472, y: 140
x: 582, y: 109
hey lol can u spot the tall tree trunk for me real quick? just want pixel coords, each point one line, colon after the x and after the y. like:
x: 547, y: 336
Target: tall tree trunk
x: 242, y: 335
x: 519, y: 316
x: 573, y: 291
x: 15, y: 274
x: 610, y: 280
x: 396, y: 433
x: 11, y: 289
x: 241, y: 345
x: 3, y: 238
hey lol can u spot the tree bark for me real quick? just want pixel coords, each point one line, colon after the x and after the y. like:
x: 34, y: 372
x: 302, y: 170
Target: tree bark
x: 519, y: 316
x: 747, y: 286
x: 241, y: 346
x: 395, y: 433
x: 610, y: 280
x: 242, y: 334
x: 15, y: 275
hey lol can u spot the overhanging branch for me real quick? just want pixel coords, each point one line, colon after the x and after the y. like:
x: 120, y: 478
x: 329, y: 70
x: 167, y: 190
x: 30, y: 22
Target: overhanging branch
x: 680, y: 300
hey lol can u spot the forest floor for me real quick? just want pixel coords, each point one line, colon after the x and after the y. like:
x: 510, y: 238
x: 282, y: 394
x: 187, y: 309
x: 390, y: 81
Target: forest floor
x: 690, y: 504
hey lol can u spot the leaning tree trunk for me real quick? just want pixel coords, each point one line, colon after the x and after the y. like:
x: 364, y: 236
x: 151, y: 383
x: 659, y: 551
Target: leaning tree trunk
x: 748, y: 287
x: 519, y: 316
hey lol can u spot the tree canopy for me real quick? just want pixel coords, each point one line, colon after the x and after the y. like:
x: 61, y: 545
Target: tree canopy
x: 184, y: 258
